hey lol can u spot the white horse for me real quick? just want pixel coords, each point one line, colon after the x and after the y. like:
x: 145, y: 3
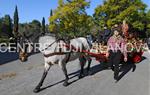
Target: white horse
x: 56, y: 52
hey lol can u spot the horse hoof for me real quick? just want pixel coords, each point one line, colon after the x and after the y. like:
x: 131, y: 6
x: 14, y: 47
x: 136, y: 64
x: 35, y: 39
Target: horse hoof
x: 116, y: 81
x: 36, y: 90
x: 89, y: 73
x: 65, y: 84
x: 81, y: 76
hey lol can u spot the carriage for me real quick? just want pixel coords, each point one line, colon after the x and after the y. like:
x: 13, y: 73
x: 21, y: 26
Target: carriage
x: 135, y: 48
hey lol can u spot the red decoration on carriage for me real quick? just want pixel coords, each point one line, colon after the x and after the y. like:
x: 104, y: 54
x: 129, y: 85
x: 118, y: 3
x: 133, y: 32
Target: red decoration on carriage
x: 101, y: 57
x: 137, y: 57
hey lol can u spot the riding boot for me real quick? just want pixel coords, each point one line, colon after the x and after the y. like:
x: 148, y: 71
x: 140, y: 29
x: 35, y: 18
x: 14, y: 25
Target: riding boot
x: 116, y: 72
x: 112, y: 68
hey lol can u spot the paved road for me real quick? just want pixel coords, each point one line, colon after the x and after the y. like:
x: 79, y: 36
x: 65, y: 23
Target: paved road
x: 100, y: 83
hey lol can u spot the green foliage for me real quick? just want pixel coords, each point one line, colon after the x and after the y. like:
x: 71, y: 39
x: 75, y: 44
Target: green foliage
x: 115, y: 11
x: 43, y: 25
x: 6, y: 26
x: 4, y: 40
x: 70, y: 19
x: 51, y: 12
x: 148, y: 23
x: 0, y: 26
x: 36, y: 23
x: 31, y: 29
x: 16, y: 22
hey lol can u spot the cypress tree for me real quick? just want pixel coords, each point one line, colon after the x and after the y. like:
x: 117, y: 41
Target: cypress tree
x: 43, y: 25
x: 16, y: 22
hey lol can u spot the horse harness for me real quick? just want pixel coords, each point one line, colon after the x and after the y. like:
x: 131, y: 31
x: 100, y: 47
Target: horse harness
x: 60, y: 49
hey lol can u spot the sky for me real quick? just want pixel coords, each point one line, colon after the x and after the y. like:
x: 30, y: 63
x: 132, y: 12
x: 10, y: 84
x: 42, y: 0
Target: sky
x: 37, y: 9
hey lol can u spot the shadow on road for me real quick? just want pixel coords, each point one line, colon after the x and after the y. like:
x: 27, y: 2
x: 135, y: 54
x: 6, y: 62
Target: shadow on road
x: 8, y: 57
x: 11, y: 56
x: 60, y: 82
x: 93, y: 69
x: 125, y: 68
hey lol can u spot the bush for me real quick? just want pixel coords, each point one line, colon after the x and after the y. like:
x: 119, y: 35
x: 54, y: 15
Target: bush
x: 4, y: 40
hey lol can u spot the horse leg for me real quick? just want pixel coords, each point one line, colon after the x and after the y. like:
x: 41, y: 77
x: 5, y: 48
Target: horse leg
x: 81, y: 71
x: 89, y: 64
x: 63, y: 67
x: 46, y: 69
x: 82, y: 60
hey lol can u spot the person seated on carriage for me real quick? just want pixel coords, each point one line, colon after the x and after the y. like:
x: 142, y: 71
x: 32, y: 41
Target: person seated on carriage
x: 116, y: 48
x: 116, y: 27
x: 106, y: 35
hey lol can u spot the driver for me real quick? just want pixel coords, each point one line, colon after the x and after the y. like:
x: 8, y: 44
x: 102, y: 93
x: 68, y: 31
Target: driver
x: 116, y: 47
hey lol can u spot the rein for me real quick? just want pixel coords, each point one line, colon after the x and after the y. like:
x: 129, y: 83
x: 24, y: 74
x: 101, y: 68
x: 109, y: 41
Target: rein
x: 49, y: 45
x: 55, y: 53
x: 62, y: 53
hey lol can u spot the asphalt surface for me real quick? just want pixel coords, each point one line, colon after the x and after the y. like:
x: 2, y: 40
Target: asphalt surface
x: 101, y: 82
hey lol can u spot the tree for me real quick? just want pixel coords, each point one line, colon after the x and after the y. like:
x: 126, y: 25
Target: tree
x: 70, y: 19
x: 0, y: 26
x: 16, y: 22
x: 36, y: 23
x: 115, y: 11
x: 30, y: 30
x: 7, y: 26
x: 51, y: 13
x: 43, y: 25
x: 148, y: 23
x: 51, y: 23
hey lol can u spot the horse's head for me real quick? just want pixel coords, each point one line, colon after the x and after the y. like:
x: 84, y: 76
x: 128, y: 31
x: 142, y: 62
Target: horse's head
x: 25, y: 47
